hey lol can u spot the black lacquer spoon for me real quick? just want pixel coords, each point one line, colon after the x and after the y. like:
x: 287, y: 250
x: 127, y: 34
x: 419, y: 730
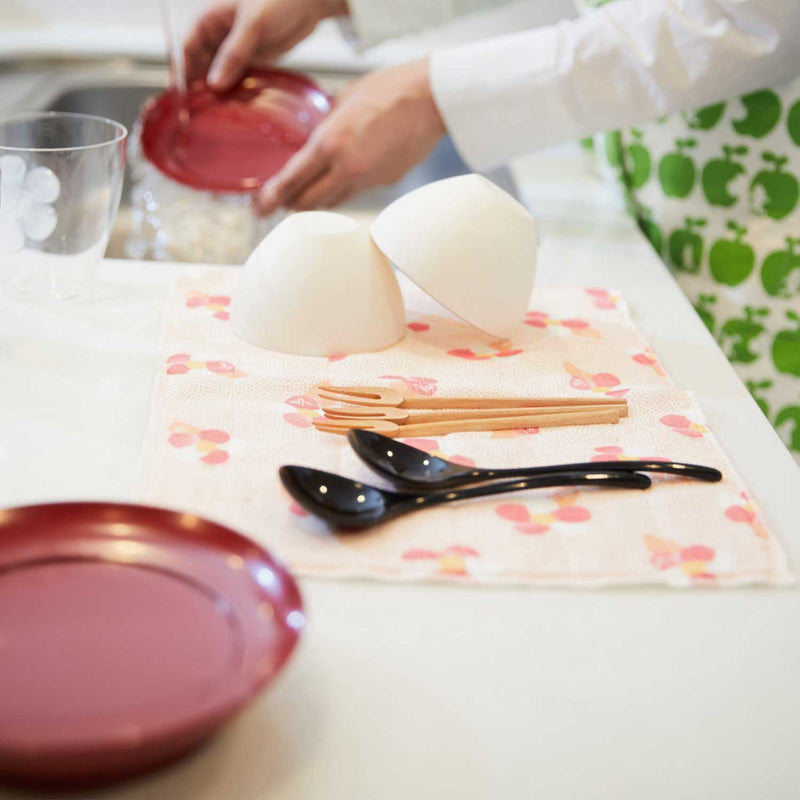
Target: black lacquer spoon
x: 415, y: 469
x: 345, y: 503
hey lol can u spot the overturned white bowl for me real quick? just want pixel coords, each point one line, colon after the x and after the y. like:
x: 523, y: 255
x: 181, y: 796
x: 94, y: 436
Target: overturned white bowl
x: 469, y: 245
x: 317, y: 286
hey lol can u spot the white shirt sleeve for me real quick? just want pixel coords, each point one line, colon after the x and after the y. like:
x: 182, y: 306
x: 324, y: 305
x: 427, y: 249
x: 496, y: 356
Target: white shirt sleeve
x: 373, y: 21
x: 627, y: 63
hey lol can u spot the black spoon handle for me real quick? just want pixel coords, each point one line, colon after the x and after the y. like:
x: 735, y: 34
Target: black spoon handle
x: 695, y: 471
x: 593, y: 477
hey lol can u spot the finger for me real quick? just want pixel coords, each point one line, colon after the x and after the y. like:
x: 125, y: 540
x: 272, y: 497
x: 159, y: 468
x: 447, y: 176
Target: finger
x: 235, y: 53
x: 204, y: 39
x: 341, y: 198
x: 324, y: 192
x: 299, y: 172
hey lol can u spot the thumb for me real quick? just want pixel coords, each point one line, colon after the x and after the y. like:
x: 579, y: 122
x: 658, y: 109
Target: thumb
x: 235, y: 53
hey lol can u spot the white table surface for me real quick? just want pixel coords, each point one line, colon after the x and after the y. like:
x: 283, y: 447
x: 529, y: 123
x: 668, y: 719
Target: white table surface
x: 412, y: 692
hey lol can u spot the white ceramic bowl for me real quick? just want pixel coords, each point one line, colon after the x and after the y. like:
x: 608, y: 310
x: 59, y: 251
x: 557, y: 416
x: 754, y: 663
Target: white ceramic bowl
x: 468, y: 244
x: 317, y: 286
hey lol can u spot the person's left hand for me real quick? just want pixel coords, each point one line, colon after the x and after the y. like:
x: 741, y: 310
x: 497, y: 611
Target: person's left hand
x: 380, y: 127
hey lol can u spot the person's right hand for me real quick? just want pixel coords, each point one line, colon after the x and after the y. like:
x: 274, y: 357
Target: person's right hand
x: 230, y: 35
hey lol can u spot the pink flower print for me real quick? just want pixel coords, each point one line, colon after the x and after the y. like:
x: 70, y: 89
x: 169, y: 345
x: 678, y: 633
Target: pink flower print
x: 693, y: 561
x: 307, y: 409
x: 566, y: 510
x: 501, y: 349
x: 578, y: 327
x: 610, y: 453
x: 217, y: 304
x: 615, y: 453
x: 598, y: 383
x: 537, y: 319
x: 418, y: 327
x: 198, y: 444
x: 182, y: 363
x: 431, y: 446
x: 513, y: 433
x: 647, y: 359
x: 302, y: 518
x: 421, y: 386
x: 452, y: 561
x: 603, y: 298
x: 746, y: 513
x: 684, y: 426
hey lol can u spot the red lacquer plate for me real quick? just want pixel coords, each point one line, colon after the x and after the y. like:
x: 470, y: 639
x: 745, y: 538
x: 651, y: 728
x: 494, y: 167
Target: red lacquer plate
x: 128, y: 634
x: 232, y: 142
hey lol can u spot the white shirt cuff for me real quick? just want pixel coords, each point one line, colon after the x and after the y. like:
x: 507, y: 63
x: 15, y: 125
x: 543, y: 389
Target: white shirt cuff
x: 503, y: 97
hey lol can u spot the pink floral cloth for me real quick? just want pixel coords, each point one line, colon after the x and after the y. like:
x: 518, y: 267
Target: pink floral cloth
x: 226, y: 415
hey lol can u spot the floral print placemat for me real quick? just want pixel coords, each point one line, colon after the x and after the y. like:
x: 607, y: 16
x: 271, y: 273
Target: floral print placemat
x: 226, y: 415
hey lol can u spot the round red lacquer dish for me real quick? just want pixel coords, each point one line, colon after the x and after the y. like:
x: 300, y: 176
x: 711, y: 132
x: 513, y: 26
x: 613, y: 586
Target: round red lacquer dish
x: 232, y: 142
x: 128, y: 634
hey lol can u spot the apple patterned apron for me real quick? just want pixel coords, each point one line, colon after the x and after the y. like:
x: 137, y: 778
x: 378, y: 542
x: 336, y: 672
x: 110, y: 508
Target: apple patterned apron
x: 717, y: 193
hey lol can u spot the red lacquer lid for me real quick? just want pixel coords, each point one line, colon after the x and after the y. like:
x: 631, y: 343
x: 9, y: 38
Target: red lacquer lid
x: 232, y: 142
x: 128, y: 635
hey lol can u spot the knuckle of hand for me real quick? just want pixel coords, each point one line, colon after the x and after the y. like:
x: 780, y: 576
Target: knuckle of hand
x: 330, y: 148
x: 354, y: 167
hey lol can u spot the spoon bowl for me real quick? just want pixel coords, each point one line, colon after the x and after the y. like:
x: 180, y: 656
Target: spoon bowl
x: 338, y: 500
x: 413, y: 468
x: 352, y: 505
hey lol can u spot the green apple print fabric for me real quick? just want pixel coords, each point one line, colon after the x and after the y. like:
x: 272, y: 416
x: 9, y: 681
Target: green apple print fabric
x: 717, y: 193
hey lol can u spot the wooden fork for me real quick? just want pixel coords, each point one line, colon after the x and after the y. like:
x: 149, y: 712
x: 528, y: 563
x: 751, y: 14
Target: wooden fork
x: 402, y: 416
x: 599, y: 416
x: 384, y: 396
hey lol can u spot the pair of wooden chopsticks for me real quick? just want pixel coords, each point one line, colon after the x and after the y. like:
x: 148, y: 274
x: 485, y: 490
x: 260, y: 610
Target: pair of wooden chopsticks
x: 387, y: 411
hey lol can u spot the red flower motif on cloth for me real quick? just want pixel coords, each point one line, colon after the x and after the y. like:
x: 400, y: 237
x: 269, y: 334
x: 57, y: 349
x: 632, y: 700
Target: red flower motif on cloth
x: 209, y: 445
x: 566, y: 510
x: 647, y: 359
x: 217, y: 304
x: 603, y: 299
x: 746, y: 513
x: 452, y: 561
x: 616, y: 453
x: 426, y: 387
x: 181, y: 363
x: 304, y: 520
x: 307, y: 408
x: 501, y: 349
x: 684, y: 426
x: 431, y: 446
x: 578, y: 327
x: 693, y: 561
x: 513, y: 433
x: 297, y: 510
x: 598, y: 383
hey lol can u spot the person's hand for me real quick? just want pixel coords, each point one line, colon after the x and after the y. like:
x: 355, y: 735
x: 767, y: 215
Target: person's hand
x: 380, y: 127
x: 231, y: 35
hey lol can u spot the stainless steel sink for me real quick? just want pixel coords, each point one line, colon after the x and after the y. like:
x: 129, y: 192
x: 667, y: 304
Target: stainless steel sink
x: 120, y: 94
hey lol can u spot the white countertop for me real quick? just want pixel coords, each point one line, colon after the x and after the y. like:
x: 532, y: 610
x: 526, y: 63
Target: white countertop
x: 408, y: 692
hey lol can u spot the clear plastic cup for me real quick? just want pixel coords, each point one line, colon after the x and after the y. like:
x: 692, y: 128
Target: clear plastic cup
x: 60, y: 183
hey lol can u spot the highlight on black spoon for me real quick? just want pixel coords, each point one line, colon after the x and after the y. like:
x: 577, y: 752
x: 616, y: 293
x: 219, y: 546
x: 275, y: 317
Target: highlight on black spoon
x: 345, y: 503
x: 409, y: 467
